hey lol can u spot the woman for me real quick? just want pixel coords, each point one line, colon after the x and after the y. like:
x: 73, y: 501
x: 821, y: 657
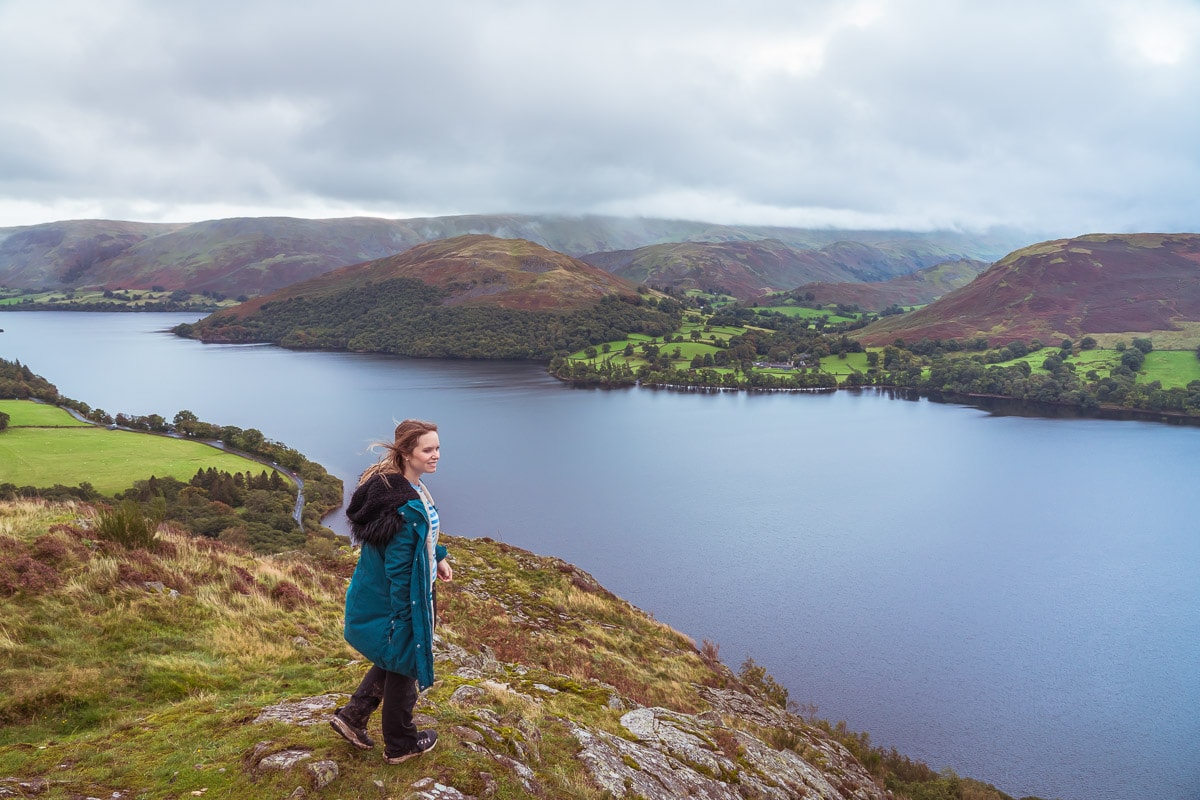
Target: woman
x: 390, y: 605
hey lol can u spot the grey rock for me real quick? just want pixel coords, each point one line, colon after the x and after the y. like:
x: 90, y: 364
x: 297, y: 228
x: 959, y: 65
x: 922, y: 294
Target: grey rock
x: 680, y: 755
x: 466, y: 734
x: 17, y: 787
x: 466, y: 695
x: 429, y: 789
x: 322, y: 773
x: 284, y: 760
x: 305, y: 712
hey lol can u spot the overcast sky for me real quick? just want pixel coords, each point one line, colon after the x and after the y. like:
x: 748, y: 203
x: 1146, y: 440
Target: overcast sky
x: 1062, y: 116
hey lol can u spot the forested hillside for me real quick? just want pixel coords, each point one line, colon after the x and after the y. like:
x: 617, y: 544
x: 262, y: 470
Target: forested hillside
x: 469, y: 297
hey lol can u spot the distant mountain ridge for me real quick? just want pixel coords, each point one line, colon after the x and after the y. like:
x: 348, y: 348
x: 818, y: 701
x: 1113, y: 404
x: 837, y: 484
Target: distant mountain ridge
x: 749, y: 270
x: 258, y: 255
x: 1066, y: 288
x: 916, y: 288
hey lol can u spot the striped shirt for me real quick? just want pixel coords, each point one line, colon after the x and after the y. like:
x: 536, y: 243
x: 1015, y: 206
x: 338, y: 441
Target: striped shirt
x: 434, y: 527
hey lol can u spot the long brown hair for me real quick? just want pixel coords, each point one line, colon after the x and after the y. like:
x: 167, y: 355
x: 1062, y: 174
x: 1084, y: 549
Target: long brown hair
x: 408, y: 433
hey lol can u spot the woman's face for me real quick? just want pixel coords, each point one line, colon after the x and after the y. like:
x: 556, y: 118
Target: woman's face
x: 424, y: 458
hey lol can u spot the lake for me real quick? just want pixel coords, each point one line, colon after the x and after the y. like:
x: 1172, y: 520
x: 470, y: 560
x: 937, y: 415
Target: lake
x: 1016, y: 598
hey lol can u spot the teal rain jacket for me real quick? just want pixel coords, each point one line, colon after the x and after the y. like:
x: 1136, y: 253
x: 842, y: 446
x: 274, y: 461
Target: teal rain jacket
x: 389, y: 605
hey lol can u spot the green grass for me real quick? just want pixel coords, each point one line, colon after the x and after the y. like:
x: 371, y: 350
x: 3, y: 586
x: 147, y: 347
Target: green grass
x: 109, y: 460
x: 1172, y: 368
x: 132, y: 298
x: 842, y: 367
x: 706, y: 332
x: 110, y: 687
x: 803, y: 312
x: 27, y: 413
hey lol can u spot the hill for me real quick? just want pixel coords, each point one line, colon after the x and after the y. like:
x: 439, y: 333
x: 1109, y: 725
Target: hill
x: 473, y: 270
x: 1132, y: 284
x: 252, y: 256
x: 471, y: 296
x: 749, y: 270
x: 917, y: 288
x: 191, y: 668
x: 61, y: 254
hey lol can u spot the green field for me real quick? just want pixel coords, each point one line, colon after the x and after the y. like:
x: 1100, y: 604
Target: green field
x: 1171, y: 368
x: 44, y: 446
x: 133, y: 298
x: 27, y: 413
x: 804, y: 312
x: 843, y: 367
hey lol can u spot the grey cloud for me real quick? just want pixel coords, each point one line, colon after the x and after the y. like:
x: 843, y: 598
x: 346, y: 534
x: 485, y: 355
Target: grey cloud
x: 1028, y: 114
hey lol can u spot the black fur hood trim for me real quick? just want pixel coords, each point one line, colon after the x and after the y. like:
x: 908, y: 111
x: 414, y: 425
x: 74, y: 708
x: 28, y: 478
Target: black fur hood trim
x: 372, y: 510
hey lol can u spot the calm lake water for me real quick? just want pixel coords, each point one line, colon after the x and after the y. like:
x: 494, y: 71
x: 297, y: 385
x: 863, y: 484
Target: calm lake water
x: 1014, y: 598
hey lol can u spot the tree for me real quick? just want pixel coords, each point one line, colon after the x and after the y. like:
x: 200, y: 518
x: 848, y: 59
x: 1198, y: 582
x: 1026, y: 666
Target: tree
x: 1144, y: 345
x: 252, y: 439
x: 184, y: 417
x: 1016, y: 350
x: 1087, y: 343
x: 1133, y: 358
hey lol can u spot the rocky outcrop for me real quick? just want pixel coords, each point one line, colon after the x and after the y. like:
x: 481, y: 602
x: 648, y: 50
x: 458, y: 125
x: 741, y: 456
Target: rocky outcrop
x: 741, y: 748
x: 678, y: 755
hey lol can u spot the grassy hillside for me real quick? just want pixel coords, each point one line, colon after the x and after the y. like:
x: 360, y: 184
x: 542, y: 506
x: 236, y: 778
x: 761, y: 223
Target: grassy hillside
x: 751, y: 269
x: 44, y: 446
x: 110, y: 300
x: 189, y: 668
x: 745, y: 270
x: 228, y: 492
x: 917, y: 288
x: 1100, y: 285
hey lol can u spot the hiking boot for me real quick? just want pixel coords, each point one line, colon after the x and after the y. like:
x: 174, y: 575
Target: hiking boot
x: 425, y: 742
x: 355, y: 736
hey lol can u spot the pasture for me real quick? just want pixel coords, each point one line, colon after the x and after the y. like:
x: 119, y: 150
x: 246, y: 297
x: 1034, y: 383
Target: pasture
x: 35, y: 453
x: 1171, y: 368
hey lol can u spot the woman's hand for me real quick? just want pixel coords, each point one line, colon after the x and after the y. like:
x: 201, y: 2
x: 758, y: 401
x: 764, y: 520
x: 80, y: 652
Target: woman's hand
x: 444, y: 570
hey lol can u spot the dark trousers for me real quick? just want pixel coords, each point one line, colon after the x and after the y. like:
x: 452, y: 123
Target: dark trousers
x: 398, y: 693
